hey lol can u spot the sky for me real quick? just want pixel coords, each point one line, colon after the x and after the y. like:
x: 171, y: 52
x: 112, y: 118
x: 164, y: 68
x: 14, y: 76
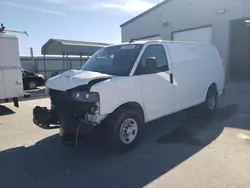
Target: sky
x: 83, y: 20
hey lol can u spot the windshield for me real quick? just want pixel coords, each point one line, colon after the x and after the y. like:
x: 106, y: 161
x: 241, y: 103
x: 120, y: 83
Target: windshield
x: 114, y: 60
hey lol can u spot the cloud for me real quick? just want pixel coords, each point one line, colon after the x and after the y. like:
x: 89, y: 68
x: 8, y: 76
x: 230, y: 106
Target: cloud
x: 133, y: 6
x: 47, y: 11
x: 130, y: 6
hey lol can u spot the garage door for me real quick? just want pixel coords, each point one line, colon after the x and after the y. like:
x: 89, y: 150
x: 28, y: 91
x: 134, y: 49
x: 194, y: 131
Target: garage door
x: 201, y: 35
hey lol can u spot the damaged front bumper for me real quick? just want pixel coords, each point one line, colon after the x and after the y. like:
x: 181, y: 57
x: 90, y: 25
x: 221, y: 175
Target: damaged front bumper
x: 51, y: 119
x: 44, y: 118
x: 71, y: 116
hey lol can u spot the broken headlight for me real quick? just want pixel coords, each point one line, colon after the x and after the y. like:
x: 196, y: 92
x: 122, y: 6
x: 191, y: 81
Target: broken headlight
x: 85, y: 96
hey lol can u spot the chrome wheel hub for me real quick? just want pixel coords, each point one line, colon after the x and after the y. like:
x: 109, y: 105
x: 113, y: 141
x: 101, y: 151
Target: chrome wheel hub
x: 128, y: 131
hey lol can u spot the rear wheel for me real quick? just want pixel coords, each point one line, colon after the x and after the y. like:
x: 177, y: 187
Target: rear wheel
x: 210, y: 105
x: 122, y: 130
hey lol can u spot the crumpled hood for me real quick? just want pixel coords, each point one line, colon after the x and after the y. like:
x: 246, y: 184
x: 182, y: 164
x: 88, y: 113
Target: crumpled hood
x: 73, y: 78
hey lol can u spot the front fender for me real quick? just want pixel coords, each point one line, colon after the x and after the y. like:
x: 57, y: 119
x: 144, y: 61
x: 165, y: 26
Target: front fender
x: 117, y: 91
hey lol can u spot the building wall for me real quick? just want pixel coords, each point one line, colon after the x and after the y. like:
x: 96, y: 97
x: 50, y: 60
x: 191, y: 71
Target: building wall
x: 246, y: 8
x: 53, y: 64
x: 185, y: 14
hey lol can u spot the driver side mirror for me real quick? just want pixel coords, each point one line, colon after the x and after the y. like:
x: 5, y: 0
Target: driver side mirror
x: 150, y: 65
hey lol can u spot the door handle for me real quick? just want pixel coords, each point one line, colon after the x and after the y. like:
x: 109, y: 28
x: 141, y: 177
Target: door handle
x: 17, y: 83
x: 171, y: 78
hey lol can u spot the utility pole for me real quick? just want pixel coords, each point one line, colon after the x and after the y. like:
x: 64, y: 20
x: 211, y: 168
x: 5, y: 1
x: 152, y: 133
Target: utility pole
x: 32, y: 59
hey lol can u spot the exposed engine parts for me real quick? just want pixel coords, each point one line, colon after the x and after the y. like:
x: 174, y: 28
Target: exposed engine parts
x: 74, y: 112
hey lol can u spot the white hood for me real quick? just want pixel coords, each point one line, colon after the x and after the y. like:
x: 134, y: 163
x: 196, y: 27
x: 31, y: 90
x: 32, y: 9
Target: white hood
x: 73, y: 78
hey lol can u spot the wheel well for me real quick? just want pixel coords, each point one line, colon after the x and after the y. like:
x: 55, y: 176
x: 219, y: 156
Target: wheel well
x: 134, y: 106
x: 212, y: 87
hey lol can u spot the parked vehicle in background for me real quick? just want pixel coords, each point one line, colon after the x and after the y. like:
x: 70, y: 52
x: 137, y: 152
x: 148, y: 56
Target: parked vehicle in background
x: 123, y: 86
x: 55, y: 74
x: 32, y: 80
x: 11, y: 84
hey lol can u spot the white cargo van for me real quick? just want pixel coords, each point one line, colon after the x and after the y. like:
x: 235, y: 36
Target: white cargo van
x: 11, y: 84
x: 123, y: 86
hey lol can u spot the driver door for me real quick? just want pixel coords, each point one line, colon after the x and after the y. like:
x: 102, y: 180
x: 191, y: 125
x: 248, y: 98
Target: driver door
x: 157, y: 89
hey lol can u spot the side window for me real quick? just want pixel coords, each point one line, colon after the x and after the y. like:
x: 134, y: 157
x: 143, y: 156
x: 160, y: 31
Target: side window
x: 156, y: 52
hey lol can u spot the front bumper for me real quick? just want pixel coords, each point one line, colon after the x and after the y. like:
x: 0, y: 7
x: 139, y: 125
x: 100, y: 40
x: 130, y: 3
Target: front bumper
x: 71, y: 116
x: 53, y: 119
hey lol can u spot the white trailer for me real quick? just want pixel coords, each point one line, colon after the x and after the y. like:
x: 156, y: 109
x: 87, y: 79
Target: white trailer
x: 11, y: 84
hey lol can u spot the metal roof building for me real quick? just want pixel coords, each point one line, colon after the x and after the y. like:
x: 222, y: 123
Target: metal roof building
x: 70, y: 47
x: 66, y: 48
x: 224, y: 23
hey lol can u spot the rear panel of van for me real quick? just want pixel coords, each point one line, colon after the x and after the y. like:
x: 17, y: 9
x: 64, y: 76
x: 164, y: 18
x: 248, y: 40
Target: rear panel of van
x: 2, y: 90
x: 195, y: 67
x: 11, y: 84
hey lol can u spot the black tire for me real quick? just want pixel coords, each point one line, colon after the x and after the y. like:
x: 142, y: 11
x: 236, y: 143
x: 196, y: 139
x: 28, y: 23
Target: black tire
x: 210, y: 105
x: 32, y: 85
x: 113, y: 129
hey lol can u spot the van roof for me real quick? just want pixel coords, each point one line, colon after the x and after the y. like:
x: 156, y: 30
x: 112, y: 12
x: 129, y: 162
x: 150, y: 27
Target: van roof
x: 161, y: 42
x: 8, y: 36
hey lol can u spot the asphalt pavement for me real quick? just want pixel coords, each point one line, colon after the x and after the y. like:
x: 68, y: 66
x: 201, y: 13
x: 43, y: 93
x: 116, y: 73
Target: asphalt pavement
x: 184, y: 150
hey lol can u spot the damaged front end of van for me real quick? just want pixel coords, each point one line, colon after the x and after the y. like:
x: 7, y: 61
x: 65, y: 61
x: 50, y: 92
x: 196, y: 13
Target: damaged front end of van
x: 75, y: 111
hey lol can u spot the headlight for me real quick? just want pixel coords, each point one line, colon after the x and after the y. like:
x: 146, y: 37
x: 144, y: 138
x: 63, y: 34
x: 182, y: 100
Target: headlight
x: 84, y: 96
x: 40, y: 75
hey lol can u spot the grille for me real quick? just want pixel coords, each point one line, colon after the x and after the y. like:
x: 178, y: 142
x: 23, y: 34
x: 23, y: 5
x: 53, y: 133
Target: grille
x: 59, y: 97
x: 63, y: 101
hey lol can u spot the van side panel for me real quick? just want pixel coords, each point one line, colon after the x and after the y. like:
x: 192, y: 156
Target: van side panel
x: 221, y: 71
x: 12, y: 83
x: 183, y: 61
x: 11, y: 76
x: 209, y: 70
x: 2, y: 90
x: 195, y: 67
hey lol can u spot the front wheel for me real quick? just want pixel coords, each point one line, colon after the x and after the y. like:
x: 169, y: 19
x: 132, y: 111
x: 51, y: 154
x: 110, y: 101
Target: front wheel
x: 122, y: 130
